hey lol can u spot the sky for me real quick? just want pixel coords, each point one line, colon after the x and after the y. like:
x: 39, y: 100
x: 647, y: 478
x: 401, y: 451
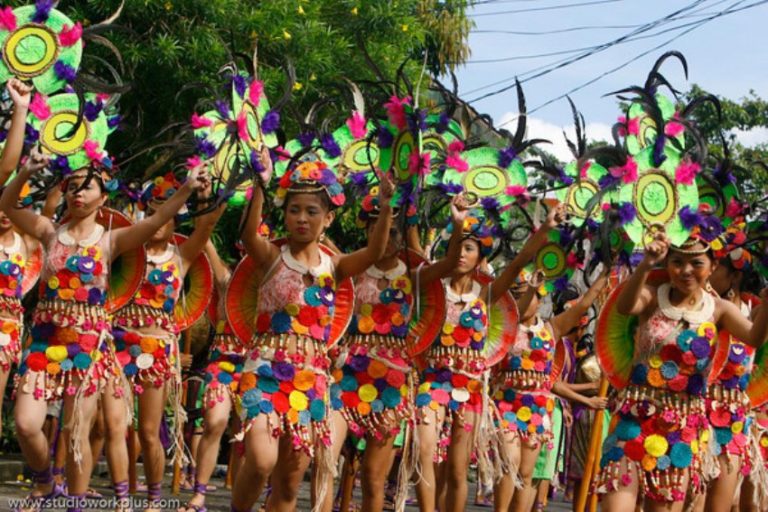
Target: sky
x: 726, y: 56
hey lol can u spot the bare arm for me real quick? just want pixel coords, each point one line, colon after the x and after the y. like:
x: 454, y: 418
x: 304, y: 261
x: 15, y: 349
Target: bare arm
x: 131, y: 237
x: 357, y: 262
x: 505, y: 280
x: 221, y: 271
x: 754, y: 333
x: 569, y: 319
x: 204, y: 226
x: 565, y: 390
x: 258, y: 247
x: 21, y: 95
x: 34, y: 225
x: 414, y: 241
x: 445, y: 265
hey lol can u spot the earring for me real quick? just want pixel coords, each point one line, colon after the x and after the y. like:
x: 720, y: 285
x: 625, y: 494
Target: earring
x: 709, y: 288
x: 731, y: 294
x: 322, y: 236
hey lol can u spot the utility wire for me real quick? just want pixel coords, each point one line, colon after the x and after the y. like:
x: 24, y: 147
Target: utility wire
x: 548, y: 8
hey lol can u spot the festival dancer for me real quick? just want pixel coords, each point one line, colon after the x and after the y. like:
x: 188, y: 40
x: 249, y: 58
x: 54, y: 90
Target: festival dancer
x: 222, y: 378
x: 69, y: 355
x: 284, y: 386
x: 452, y: 398
x: 374, y: 388
x: 146, y: 335
x: 657, y: 444
x: 728, y: 405
x: 15, y: 250
x: 523, y: 389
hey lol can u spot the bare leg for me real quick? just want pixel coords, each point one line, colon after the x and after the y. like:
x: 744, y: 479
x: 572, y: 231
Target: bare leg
x: 457, y: 465
x: 504, y: 489
x: 747, y: 501
x: 116, y: 428
x: 29, y: 416
x: 151, y: 403
x: 523, y: 498
x: 96, y: 437
x: 722, y: 491
x: 542, y: 494
x: 78, y: 475
x: 339, y: 431
x: 377, y: 460
x: 288, y: 474
x: 426, y: 486
x: 261, y: 455
x: 214, y: 424
x: 3, y: 382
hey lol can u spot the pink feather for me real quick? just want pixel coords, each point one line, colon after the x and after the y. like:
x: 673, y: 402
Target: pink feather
x: 396, y: 111
x: 456, y: 162
x: 242, y: 127
x: 627, y: 172
x: 356, y: 124
x: 516, y: 190
x: 92, y: 150
x: 686, y: 172
x: 734, y: 209
x: 200, y: 121
x: 673, y: 129
x: 584, y: 170
x: 193, y: 161
x: 419, y: 164
x: 622, y: 122
x: 69, y: 36
x: 456, y: 146
x: 39, y: 107
x: 7, y: 19
x: 255, y: 92
x: 633, y: 127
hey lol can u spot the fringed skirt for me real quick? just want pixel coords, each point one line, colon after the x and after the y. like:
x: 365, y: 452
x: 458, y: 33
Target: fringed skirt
x: 225, y: 367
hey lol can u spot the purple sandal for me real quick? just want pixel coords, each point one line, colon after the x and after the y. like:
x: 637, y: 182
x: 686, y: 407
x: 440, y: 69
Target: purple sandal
x: 43, y: 501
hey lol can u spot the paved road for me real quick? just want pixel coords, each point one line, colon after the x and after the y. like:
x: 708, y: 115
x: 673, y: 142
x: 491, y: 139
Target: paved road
x: 218, y: 501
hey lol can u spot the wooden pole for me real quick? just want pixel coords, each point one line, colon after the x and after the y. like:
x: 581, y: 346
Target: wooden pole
x: 176, y: 485
x: 132, y: 456
x: 230, y: 476
x: 591, y: 465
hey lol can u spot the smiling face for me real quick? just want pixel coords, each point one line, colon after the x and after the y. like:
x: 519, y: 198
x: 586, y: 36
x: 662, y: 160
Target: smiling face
x: 689, y: 272
x: 83, y: 194
x: 307, y: 216
x: 5, y: 222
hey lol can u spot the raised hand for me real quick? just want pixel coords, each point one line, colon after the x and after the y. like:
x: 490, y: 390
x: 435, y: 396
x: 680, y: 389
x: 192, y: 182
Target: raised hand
x: 657, y: 250
x: 459, y: 209
x: 197, y: 177
x: 556, y: 216
x: 266, y: 164
x: 386, y: 189
x: 35, y: 162
x: 21, y: 93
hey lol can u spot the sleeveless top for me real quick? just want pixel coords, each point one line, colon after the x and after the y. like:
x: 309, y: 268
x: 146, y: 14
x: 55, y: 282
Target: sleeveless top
x: 383, y: 312
x: 674, y: 351
x: 156, y: 298
x: 287, y: 306
x: 462, y: 340
x: 12, y: 264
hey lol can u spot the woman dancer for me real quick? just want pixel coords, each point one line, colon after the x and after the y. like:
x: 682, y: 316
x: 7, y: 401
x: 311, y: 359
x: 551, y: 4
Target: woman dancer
x: 222, y: 378
x: 658, y: 436
x: 451, y: 396
x: 69, y: 355
x: 284, y: 386
x: 523, y: 390
x: 374, y: 388
x: 146, y: 335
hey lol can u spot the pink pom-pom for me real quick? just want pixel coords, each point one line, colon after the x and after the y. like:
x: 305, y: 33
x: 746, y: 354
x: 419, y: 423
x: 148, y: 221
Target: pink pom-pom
x: 633, y: 127
x: 456, y: 146
x: 255, y: 92
x: 7, y: 19
x: 39, y: 107
x: 584, y: 170
x: 356, y: 124
x: 92, y: 150
x: 686, y: 172
x: 734, y: 209
x: 627, y: 172
x: 516, y: 190
x: 454, y: 161
x: 200, y: 121
x: 396, y: 111
x: 605, y: 206
x: 69, y: 36
x: 419, y: 164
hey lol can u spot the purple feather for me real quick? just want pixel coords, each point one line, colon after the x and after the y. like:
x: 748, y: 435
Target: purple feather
x: 271, y: 122
x: 497, y: 231
x: 723, y: 175
x: 306, y: 139
x: 450, y: 188
x: 442, y: 123
x: 222, y: 108
x: 359, y: 181
x: 60, y: 165
x: 627, y: 213
x: 489, y: 204
x: 42, y: 10
x: 417, y: 122
x: 564, y: 178
x: 330, y: 145
x: 256, y: 163
x: 689, y: 218
x: 608, y: 181
x: 385, y: 138
x: 566, y: 237
x: 113, y: 121
x: 658, y: 150
x: 92, y: 110
x: 592, y: 225
x: 206, y: 147
x: 506, y: 157
x: 240, y: 85
x: 711, y: 227
x: 64, y: 71
x: 3, y: 135
x: 31, y: 135
x: 561, y: 283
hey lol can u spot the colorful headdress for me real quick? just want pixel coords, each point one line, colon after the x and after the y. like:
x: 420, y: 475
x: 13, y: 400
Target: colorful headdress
x: 479, y: 226
x: 309, y: 177
x: 40, y: 44
x: 156, y: 191
x: 732, y: 245
x: 234, y: 132
x: 365, y: 184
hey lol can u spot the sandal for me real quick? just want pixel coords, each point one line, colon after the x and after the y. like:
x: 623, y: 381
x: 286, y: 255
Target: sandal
x: 40, y: 501
x: 197, y: 489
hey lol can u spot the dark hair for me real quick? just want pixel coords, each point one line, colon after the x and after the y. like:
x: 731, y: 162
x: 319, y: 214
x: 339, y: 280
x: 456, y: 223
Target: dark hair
x: 91, y: 174
x: 561, y: 298
x: 306, y: 188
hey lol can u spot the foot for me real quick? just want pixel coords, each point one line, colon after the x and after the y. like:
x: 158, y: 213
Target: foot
x: 41, y: 492
x: 196, y: 504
